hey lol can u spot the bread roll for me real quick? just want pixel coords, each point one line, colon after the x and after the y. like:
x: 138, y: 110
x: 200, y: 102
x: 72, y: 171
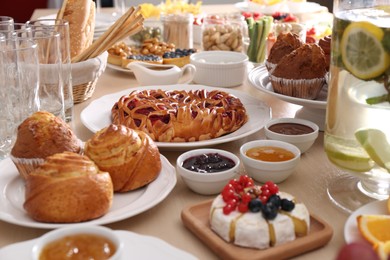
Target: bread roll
x: 68, y: 188
x: 81, y: 17
x: 130, y: 156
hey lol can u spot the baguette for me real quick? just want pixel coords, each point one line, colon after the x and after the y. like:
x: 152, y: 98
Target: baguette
x: 81, y: 17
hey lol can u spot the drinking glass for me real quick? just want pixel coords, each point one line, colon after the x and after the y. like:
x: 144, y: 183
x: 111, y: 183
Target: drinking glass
x: 19, y: 83
x: 51, y: 94
x: 62, y: 27
x: 6, y: 22
x: 357, y: 131
x: 16, y: 29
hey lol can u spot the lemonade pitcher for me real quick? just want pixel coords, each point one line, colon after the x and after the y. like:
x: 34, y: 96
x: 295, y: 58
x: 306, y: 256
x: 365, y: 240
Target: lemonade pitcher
x: 357, y: 131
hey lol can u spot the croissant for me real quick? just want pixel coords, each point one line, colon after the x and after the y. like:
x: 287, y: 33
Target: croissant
x: 179, y: 115
x: 67, y: 188
x: 131, y: 157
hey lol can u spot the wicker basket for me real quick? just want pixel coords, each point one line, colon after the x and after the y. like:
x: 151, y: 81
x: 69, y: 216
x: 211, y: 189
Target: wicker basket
x: 85, y: 75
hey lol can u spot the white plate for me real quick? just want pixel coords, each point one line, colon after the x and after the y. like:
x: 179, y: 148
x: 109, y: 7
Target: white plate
x: 135, y: 247
x: 125, y: 205
x: 97, y: 115
x: 258, y: 78
x: 118, y: 68
x: 288, y: 7
x: 351, y: 231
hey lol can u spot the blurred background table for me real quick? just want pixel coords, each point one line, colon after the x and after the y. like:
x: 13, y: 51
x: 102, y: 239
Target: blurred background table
x: 308, y: 183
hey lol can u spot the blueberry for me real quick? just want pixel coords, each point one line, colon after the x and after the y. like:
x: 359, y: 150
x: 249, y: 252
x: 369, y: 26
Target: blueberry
x: 269, y: 211
x: 275, y: 200
x: 287, y: 205
x: 255, y: 205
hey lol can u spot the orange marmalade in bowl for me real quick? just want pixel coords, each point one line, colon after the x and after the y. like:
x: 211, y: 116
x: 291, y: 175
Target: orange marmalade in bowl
x: 270, y: 154
x: 79, y: 246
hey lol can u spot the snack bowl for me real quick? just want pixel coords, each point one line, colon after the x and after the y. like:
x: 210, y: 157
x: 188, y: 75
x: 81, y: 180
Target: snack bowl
x: 92, y: 235
x: 275, y: 171
x: 219, y: 68
x: 207, y: 183
x: 299, y: 132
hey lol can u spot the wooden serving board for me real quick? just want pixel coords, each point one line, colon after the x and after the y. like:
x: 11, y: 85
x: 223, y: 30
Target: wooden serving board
x: 196, y: 219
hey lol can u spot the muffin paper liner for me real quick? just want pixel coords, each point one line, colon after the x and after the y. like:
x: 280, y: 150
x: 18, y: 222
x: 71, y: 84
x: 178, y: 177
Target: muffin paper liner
x: 300, y: 88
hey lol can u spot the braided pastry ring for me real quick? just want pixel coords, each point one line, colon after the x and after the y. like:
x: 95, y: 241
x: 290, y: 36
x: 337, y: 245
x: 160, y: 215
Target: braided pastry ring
x: 180, y: 115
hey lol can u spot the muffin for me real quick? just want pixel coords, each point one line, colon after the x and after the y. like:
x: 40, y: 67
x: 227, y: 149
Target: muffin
x: 130, y: 156
x: 68, y: 188
x: 40, y: 135
x: 301, y: 73
x: 325, y: 46
x: 284, y: 45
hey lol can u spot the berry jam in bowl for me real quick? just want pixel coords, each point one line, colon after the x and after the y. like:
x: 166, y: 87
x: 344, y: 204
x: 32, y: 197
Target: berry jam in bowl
x: 269, y: 160
x: 207, y: 171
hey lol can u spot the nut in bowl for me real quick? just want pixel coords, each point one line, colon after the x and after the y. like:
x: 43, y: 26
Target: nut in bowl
x: 219, y: 68
x: 207, y: 171
x: 299, y: 132
x: 269, y: 160
x: 85, y: 242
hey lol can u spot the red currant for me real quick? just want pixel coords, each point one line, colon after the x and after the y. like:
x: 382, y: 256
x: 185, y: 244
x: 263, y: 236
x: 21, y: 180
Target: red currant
x: 263, y: 199
x: 228, y: 195
x: 227, y: 209
x: 242, y: 207
x: 246, y: 197
x: 273, y: 188
x: 266, y: 193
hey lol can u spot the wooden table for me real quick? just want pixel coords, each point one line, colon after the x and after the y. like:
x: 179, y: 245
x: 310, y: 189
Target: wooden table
x: 308, y: 183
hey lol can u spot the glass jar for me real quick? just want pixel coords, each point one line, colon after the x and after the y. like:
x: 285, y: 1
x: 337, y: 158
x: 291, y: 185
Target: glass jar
x: 177, y: 29
x: 225, y: 33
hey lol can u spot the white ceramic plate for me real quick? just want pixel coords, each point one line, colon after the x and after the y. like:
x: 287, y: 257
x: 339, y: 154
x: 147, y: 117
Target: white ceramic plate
x: 258, y: 78
x: 97, y: 115
x: 351, y: 231
x: 288, y: 7
x: 118, y: 68
x: 125, y: 205
x: 135, y: 247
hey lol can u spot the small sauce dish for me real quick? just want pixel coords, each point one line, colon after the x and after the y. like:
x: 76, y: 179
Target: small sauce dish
x: 269, y: 160
x: 207, y: 171
x: 87, y: 242
x: 299, y: 132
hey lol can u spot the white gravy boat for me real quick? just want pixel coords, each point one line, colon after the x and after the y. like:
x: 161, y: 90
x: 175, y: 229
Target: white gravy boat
x: 162, y: 74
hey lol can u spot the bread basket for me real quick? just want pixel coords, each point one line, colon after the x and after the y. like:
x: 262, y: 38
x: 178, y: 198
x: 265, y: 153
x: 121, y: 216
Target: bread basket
x: 85, y: 75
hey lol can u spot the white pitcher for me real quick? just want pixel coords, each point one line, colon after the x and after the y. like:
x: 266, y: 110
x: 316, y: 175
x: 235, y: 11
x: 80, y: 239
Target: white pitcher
x: 151, y: 74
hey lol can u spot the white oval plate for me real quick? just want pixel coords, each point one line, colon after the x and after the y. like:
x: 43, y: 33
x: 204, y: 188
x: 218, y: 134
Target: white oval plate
x: 351, y: 231
x: 135, y: 247
x: 258, y: 78
x: 124, y: 205
x: 97, y: 115
x: 289, y: 7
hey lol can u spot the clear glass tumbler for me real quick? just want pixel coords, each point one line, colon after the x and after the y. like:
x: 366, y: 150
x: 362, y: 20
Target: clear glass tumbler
x: 357, y: 134
x: 19, y: 84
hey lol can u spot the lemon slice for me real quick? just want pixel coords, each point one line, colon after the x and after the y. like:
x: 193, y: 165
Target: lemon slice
x: 362, y: 51
x: 373, y: 228
x: 375, y: 143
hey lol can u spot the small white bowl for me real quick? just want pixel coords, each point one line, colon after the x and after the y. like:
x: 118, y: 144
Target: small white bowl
x: 207, y: 183
x: 74, y: 230
x: 302, y: 141
x: 219, y: 68
x: 263, y: 171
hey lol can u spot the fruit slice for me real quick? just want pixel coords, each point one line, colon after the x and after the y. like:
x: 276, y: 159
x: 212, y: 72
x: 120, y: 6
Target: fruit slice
x: 374, y: 228
x: 350, y: 159
x: 383, y: 250
x: 375, y: 143
x: 362, y: 51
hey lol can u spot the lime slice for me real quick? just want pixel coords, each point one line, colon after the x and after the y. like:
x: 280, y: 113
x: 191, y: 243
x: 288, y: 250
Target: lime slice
x: 362, y: 51
x: 353, y: 160
x: 375, y: 143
